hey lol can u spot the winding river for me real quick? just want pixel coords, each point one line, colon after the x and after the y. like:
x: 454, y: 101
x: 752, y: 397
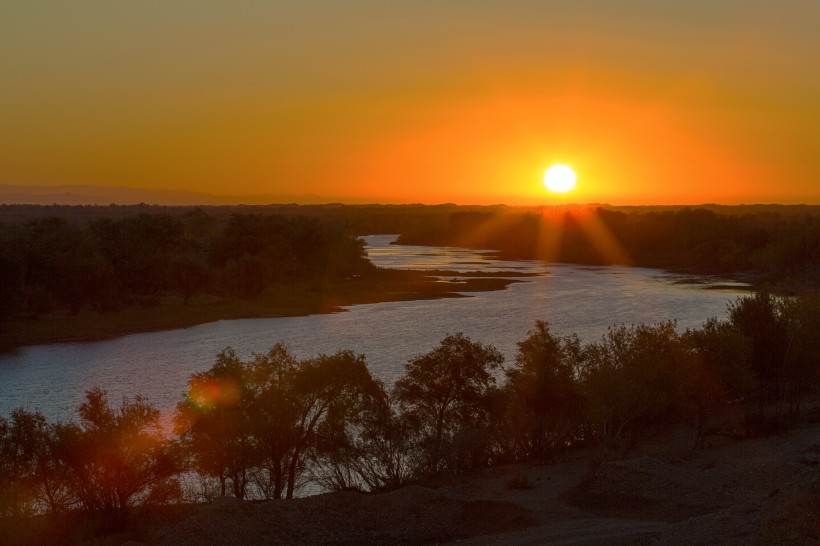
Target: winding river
x: 584, y: 300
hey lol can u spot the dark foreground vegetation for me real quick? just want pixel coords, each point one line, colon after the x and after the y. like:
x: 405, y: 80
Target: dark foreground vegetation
x: 274, y: 426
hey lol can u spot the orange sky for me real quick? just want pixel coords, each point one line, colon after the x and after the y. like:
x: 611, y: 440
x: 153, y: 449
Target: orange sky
x: 467, y: 102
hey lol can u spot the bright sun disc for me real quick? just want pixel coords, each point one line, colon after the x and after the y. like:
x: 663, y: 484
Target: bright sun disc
x: 559, y: 178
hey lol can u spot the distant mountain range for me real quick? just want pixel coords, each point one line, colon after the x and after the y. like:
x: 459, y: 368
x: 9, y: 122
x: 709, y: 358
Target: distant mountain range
x: 11, y: 194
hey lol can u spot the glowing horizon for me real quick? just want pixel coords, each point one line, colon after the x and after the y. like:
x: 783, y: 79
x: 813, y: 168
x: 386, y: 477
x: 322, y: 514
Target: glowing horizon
x: 702, y: 102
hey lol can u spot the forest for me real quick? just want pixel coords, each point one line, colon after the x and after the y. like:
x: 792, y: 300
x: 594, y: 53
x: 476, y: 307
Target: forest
x: 275, y: 426
x: 775, y: 246
x: 52, y: 264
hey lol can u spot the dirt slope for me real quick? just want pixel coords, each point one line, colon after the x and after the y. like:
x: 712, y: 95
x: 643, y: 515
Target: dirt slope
x: 752, y: 492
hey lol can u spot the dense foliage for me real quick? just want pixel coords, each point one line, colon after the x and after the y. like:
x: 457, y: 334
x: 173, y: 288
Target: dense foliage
x: 272, y: 425
x: 50, y: 264
x: 769, y: 243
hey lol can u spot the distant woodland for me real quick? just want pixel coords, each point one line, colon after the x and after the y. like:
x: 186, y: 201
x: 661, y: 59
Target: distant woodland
x: 108, y: 263
x: 61, y: 260
x: 772, y: 245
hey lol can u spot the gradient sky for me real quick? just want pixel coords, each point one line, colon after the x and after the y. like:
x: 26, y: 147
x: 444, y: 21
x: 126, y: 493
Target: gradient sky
x: 465, y: 101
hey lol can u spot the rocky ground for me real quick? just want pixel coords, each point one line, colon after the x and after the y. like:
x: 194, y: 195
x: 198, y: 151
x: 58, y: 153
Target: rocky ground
x: 764, y: 491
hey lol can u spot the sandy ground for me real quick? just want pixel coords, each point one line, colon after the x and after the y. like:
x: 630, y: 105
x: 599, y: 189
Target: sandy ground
x: 752, y: 492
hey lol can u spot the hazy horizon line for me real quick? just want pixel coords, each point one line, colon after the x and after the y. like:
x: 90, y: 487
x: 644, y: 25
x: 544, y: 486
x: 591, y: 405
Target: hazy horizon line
x: 97, y: 195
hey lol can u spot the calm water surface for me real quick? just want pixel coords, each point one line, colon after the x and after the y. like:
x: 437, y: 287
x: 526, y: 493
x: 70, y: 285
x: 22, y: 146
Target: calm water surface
x: 584, y: 300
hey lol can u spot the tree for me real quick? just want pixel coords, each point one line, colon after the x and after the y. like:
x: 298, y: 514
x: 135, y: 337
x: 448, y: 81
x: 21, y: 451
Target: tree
x: 214, y: 424
x: 547, y: 400
x: 759, y: 318
x: 274, y: 414
x: 247, y: 276
x: 12, y: 266
x: 32, y: 478
x: 140, y: 250
x: 446, y: 391
x: 632, y: 379
x: 376, y: 455
x: 265, y: 420
x: 9, y: 503
x: 719, y: 376
x: 117, y: 457
x: 16, y: 469
x: 259, y: 249
x: 330, y: 391
x: 64, y: 263
x: 190, y: 275
x: 289, y: 248
x: 801, y: 316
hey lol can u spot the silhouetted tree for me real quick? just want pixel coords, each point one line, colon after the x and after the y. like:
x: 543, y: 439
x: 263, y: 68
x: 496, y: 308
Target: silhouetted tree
x: 632, y: 380
x: 140, y: 250
x: 274, y: 413
x: 62, y: 262
x: 247, y: 276
x: 376, y: 455
x: 445, y: 392
x: 117, y: 457
x: 330, y: 391
x: 18, y: 452
x: 758, y: 317
x: 190, y: 275
x: 547, y: 400
x: 12, y: 267
x: 214, y: 424
x: 801, y: 316
x: 35, y: 454
x: 719, y: 377
x: 263, y: 420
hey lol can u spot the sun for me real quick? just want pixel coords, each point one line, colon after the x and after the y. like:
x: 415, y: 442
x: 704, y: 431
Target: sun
x: 559, y: 178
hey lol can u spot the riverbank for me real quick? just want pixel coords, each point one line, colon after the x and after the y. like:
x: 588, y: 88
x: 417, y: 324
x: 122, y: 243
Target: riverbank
x: 169, y: 312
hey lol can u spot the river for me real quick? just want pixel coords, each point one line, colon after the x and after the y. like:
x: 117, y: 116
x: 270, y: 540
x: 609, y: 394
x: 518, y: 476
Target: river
x: 585, y: 300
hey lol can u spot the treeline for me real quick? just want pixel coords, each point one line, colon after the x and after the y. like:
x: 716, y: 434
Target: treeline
x: 774, y: 246
x: 359, y: 219
x: 108, y: 258
x: 273, y: 425
x: 50, y: 264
